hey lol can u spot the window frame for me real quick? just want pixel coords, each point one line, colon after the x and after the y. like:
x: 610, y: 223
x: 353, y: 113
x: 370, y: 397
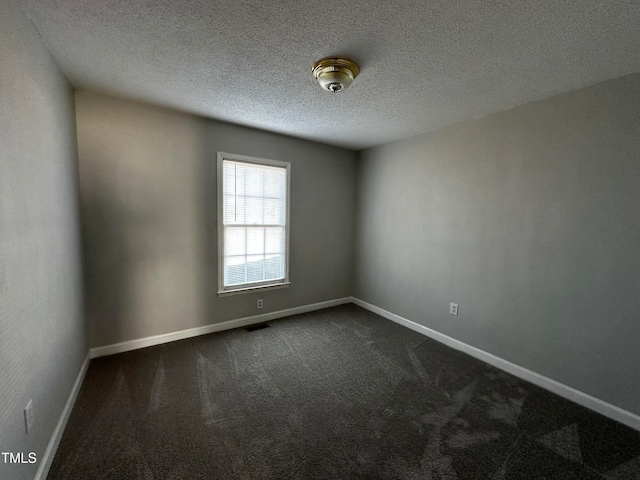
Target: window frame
x: 250, y: 286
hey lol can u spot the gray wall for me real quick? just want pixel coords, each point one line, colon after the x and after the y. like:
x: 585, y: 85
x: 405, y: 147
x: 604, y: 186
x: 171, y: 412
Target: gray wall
x: 529, y: 219
x: 42, y: 334
x: 148, y: 200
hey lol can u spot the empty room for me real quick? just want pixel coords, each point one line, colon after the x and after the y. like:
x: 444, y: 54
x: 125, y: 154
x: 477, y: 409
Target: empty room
x: 319, y: 240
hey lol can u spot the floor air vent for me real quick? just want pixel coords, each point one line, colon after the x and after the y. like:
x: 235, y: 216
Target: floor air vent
x: 257, y: 326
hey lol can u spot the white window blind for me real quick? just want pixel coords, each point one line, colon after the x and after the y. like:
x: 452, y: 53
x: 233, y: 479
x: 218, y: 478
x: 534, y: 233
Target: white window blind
x: 254, y: 224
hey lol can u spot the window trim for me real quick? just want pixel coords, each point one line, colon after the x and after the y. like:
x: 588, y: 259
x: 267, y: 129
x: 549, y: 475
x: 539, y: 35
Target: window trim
x: 252, y: 286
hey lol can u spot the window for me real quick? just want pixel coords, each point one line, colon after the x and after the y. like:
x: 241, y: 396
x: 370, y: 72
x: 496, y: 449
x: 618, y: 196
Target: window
x: 253, y: 223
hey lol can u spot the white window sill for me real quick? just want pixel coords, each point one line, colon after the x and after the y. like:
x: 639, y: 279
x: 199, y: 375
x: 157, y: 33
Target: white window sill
x: 238, y: 291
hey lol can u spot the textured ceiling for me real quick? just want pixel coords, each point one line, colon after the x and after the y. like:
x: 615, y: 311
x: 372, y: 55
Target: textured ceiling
x: 423, y: 64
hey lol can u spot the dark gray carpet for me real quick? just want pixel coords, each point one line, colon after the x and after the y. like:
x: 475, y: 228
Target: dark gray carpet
x: 336, y: 394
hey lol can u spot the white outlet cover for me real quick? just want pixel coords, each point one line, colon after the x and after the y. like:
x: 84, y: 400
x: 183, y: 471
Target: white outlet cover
x: 453, y: 309
x: 28, y: 416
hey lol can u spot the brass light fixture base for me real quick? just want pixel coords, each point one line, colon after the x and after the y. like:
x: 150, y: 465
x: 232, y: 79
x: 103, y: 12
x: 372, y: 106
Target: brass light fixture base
x: 335, y: 74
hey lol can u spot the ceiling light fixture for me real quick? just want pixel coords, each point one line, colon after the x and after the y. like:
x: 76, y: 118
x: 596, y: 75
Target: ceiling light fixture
x: 335, y: 74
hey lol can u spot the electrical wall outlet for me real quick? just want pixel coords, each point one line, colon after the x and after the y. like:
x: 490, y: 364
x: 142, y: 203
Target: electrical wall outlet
x: 28, y: 416
x: 260, y: 303
x: 453, y: 309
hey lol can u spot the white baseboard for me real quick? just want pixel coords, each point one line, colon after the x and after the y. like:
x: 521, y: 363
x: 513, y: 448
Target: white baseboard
x: 50, y: 452
x: 616, y: 413
x: 215, y: 327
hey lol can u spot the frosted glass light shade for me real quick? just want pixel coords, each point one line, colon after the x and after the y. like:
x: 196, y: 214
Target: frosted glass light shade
x: 335, y: 74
